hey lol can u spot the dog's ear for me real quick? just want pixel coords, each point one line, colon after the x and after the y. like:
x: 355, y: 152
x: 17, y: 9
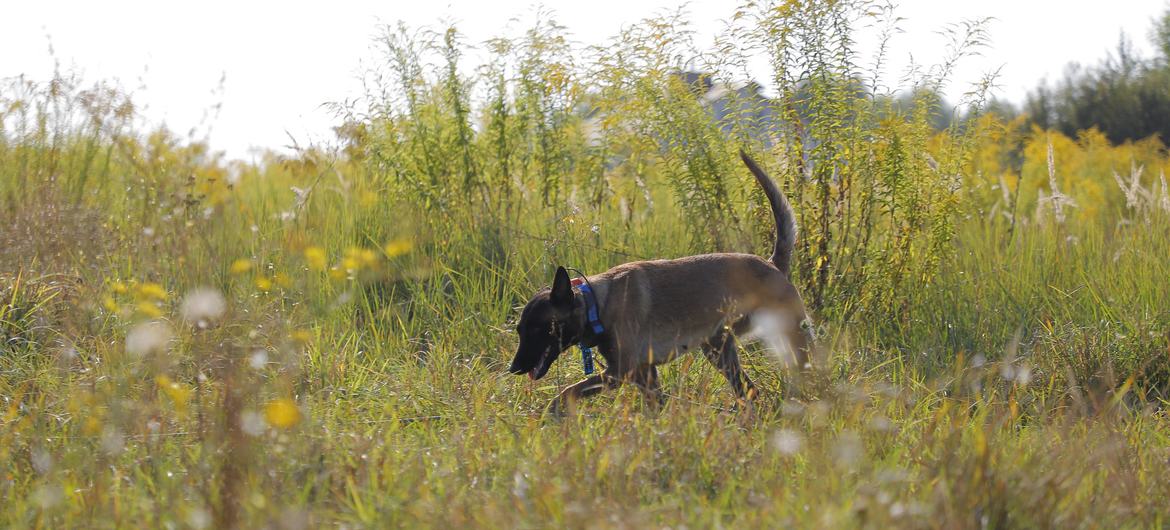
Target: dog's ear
x: 562, y: 288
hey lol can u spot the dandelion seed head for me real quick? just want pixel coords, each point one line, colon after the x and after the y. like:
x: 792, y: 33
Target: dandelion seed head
x: 787, y: 442
x: 148, y: 338
x: 203, y: 306
x: 41, y: 460
x: 199, y: 518
x: 112, y: 441
x: 847, y: 449
x: 252, y: 423
x: 258, y: 359
x: 48, y: 496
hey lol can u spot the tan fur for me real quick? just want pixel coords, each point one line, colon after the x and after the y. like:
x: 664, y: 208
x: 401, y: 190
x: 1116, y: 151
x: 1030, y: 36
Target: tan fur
x: 656, y: 310
x: 653, y: 311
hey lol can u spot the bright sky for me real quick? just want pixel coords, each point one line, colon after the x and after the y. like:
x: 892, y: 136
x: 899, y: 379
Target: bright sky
x: 280, y: 61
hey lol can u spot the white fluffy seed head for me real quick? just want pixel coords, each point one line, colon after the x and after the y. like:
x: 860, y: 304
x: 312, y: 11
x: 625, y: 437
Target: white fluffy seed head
x: 148, y: 338
x: 202, y: 306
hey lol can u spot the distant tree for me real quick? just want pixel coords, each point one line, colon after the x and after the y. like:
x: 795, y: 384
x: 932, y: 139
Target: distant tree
x: 1125, y: 97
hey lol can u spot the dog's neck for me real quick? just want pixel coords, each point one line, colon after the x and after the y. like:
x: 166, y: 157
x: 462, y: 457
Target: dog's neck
x: 589, y: 302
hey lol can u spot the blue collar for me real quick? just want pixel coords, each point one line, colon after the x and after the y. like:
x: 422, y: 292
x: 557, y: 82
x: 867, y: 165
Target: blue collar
x: 592, y: 337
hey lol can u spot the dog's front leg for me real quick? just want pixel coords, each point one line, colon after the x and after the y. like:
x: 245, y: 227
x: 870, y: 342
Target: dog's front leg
x: 647, y: 380
x: 566, y: 401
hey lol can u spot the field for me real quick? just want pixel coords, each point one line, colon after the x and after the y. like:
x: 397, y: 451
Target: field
x: 321, y: 339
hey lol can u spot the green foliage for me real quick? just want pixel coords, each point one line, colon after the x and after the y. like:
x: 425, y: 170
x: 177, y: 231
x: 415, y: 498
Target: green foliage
x: 319, y: 339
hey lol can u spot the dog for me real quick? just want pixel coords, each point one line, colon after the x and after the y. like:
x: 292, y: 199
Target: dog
x: 646, y: 313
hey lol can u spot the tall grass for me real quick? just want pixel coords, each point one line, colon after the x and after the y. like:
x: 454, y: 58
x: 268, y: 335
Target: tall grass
x: 319, y: 339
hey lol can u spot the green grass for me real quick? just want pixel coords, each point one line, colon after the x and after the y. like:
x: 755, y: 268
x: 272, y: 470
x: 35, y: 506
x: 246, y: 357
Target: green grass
x: 976, y: 370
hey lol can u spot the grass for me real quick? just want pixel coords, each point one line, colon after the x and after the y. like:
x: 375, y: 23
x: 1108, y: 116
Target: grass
x: 983, y: 364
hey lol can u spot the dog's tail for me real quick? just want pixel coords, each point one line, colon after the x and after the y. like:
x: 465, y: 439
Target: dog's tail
x: 781, y: 211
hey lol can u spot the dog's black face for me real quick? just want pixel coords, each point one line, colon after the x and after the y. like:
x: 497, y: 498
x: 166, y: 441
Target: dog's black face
x: 548, y: 326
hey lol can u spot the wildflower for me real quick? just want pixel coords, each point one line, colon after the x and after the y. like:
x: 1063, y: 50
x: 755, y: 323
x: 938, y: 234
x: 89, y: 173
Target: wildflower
x: 787, y: 442
x: 148, y: 337
x: 179, y: 394
x: 282, y: 413
x: 241, y: 266
x: 337, y: 273
x: 300, y: 336
x: 113, y: 443
x: 203, y: 305
x: 92, y: 426
x: 258, y: 359
x: 263, y: 284
x: 118, y: 288
x: 151, y: 291
x: 367, y: 257
x: 149, y: 309
x: 252, y: 423
x: 847, y: 449
x: 315, y: 258
x: 110, y: 305
x: 398, y: 247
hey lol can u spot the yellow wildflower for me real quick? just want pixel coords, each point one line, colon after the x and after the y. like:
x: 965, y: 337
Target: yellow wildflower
x: 149, y: 309
x: 241, y: 266
x: 180, y: 394
x: 152, y: 291
x: 398, y: 247
x: 301, y: 336
x: 110, y: 305
x: 367, y: 257
x: 263, y: 284
x: 337, y: 273
x: 315, y: 258
x: 282, y: 413
x: 118, y: 287
x: 92, y: 425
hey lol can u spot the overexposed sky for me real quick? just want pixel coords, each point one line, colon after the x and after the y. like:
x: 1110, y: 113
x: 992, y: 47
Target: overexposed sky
x: 279, y: 61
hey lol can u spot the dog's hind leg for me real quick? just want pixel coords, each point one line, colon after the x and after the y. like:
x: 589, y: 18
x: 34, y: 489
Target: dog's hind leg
x: 590, y: 386
x: 722, y: 352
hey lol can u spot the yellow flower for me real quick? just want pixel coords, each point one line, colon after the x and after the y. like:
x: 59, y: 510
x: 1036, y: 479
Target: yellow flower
x: 149, y: 309
x: 263, y: 284
x: 398, y: 247
x: 241, y: 266
x: 337, y: 273
x: 301, y: 336
x: 92, y: 425
x: 110, y: 305
x: 315, y: 258
x: 180, y: 394
x: 282, y: 413
x: 152, y: 291
x: 118, y: 287
x: 367, y: 257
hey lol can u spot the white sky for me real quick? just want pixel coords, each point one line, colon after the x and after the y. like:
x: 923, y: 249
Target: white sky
x: 281, y: 60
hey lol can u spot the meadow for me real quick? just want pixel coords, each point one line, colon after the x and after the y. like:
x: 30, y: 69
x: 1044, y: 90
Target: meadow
x: 321, y: 338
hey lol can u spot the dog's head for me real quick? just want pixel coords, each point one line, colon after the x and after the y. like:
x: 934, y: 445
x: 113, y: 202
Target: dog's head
x: 549, y: 324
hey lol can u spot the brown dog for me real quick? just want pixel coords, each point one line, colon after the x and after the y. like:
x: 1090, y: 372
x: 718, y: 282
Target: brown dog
x: 646, y: 313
